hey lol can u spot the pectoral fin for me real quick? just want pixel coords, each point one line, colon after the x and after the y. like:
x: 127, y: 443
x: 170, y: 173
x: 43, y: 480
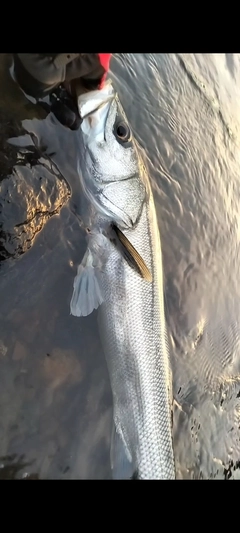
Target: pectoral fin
x: 129, y: 253
x: 87, y: 293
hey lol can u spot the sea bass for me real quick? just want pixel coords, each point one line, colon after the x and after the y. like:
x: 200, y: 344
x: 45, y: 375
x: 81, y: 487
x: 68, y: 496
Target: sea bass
x: 121, y: 274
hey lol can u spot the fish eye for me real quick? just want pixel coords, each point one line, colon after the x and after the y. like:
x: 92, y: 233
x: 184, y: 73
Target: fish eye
x: 123, y: 132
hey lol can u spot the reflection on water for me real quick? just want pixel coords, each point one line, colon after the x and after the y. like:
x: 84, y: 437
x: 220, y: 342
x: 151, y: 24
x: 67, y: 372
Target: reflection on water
x: 55, y: 398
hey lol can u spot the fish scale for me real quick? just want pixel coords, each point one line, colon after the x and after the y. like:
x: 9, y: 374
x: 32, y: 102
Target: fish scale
x: 137, y: 355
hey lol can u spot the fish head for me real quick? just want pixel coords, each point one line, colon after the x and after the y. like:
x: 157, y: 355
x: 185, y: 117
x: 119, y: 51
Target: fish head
x: 107, y: 137
x: 109, y: 161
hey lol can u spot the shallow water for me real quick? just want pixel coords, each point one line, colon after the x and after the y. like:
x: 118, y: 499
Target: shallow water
x: 55, y: 398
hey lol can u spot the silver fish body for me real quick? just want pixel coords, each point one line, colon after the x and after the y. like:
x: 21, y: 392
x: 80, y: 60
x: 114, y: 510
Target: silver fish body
x: 131, y: 308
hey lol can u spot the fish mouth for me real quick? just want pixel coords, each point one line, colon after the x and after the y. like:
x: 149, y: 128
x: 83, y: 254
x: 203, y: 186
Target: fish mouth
x: 102, y: 104
x: 94, y: 108
x: 90, y: 102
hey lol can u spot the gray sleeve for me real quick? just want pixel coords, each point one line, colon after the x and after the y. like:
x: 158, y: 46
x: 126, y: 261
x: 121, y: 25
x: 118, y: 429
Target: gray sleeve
x: 49, y: 69
x: 39, y: 74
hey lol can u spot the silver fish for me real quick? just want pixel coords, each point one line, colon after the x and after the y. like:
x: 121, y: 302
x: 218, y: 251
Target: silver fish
x: 121, y: 274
